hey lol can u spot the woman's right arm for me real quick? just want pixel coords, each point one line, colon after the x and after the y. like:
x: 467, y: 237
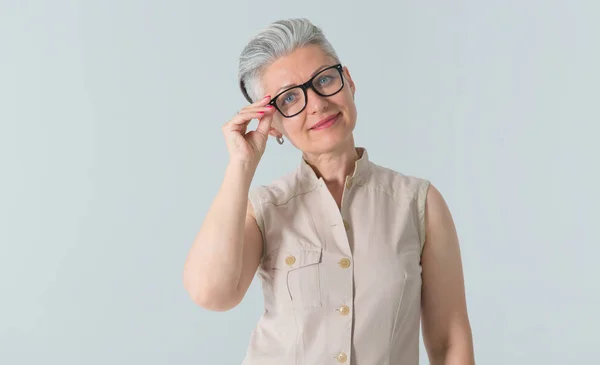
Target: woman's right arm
x: 227, y: 250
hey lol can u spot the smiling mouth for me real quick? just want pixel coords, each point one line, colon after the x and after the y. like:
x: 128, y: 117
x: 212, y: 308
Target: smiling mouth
x: 326, y: 123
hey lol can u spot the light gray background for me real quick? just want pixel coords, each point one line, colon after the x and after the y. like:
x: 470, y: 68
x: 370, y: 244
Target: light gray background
x: 111, y: 152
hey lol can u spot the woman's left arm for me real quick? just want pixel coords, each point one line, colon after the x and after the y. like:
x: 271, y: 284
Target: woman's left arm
x: 446, y: 329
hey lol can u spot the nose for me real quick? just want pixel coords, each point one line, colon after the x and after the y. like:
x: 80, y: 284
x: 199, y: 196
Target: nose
x: 315, y: 103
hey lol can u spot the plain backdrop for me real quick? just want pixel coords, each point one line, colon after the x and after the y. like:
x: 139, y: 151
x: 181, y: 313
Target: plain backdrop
x: 111, y: 152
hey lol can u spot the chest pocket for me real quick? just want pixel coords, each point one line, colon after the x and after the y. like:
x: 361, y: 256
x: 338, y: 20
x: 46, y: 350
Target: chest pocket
x: 295, y: 276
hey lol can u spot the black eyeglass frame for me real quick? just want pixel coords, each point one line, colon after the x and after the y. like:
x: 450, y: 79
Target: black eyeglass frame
x: 305, y: 86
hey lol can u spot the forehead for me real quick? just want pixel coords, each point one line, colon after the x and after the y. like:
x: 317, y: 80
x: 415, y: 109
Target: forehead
x: 295, y: 68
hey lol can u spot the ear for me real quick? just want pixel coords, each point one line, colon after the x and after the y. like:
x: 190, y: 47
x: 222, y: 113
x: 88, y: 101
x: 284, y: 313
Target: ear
x: 274, y: 132
x: 349, y: 79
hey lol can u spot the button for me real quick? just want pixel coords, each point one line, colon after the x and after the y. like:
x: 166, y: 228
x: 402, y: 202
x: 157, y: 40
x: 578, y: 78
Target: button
x: 346, y: 225
x: 345, y: 263
x: 344, y: 310
x: 342, y: 357
x: 290, y: 260
x: 349, y: 182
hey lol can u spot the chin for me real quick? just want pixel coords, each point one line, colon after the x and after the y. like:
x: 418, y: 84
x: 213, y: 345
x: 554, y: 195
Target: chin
x: 332, y: 141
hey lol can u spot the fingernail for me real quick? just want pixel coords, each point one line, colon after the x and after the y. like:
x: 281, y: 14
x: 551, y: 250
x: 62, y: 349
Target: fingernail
x: 270, y: 106
x: 268, y: 96
x: 261, y: 112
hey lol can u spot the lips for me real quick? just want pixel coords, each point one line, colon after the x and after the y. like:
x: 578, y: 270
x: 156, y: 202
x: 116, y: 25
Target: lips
x: 325, y: 121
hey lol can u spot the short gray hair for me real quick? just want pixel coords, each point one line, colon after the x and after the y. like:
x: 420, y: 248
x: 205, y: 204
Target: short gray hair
x: 277, y: 40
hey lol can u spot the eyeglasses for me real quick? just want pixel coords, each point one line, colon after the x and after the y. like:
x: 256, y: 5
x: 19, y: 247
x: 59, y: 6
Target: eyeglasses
x: 292, y: 101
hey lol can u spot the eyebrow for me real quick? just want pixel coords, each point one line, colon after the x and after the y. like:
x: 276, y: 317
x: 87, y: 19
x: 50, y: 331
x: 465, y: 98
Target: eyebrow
x: 311, y: 76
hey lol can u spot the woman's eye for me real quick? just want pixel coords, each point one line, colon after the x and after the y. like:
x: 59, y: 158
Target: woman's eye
x: 324, y: 79
x: 288, y: 99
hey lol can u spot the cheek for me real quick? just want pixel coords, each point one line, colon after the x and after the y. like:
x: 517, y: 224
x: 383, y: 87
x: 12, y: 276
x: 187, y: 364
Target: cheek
x: 346, y: 103
x: 349, y: 96
x: 345, y: 98
x: 294, y: 125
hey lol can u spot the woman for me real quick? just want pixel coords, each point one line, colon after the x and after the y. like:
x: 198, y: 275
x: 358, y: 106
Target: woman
x: 351, y: 255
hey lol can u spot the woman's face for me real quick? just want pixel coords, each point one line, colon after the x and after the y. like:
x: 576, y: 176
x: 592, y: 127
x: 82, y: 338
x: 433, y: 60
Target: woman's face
x: 302, y: 130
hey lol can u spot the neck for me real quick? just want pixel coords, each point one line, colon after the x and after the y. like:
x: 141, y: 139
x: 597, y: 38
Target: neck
x: 333, y: 166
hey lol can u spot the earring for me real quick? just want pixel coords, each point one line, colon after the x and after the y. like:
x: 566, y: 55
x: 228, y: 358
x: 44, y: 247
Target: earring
x: 280, y: 139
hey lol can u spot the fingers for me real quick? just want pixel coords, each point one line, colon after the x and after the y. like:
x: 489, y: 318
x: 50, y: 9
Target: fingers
x: 264, y: 109
x: 259, y: 110
x: 264, y: 124
x: 260, y: 105
x: 241, y: 121
x: 255, y: 110
x: 262, y: 102
x: 246, y: 116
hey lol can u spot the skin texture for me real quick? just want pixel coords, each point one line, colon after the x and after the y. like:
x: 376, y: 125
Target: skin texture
x: 226, y: 253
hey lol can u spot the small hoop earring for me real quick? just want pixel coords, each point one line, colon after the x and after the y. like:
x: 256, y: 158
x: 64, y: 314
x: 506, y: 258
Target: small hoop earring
x: 280, y: 139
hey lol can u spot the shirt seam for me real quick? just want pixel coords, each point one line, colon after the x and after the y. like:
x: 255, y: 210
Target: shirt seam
x: 385, y: 190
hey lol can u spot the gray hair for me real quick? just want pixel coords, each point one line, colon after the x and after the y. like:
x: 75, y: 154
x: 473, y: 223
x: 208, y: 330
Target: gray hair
x: 277, y: 40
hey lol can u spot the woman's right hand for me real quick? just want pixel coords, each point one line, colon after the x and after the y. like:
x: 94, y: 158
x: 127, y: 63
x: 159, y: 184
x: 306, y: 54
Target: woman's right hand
x: 249, y: 147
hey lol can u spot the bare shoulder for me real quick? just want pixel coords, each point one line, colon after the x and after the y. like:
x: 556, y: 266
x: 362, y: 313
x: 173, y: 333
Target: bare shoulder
x: 438, y: 217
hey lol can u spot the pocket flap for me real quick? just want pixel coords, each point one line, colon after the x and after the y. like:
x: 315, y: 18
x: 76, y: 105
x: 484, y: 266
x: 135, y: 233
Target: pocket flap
x: 289, y: 259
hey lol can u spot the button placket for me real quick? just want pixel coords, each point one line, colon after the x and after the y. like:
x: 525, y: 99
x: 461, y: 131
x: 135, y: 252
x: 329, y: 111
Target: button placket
x: 343, y: 263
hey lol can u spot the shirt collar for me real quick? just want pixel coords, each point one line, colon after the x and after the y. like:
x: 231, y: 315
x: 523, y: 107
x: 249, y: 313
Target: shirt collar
x: 362, y: 169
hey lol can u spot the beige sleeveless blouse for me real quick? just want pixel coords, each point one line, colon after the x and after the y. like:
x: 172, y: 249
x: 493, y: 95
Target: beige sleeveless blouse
x: 340, y: 287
